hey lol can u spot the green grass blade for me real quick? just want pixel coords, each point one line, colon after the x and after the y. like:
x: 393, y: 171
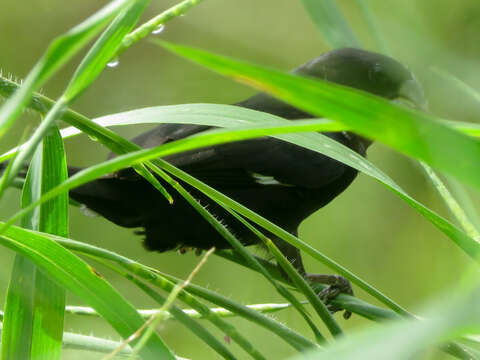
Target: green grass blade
x: 150, y: 26
x: 40, y: 319
x: 117, y: 144
x: 315, y: 142
x: 439, y: 185
x: 303, y: 286
x: 329, y: 20
x: 296, y: 278
x: 452, y: 203
x: 205, y: 140
x: 59, y: 52
x: 158, y: 279
x: 49, y: 301
x: 194, y: 314
x: 466, y: 201
x: 283, y: 291
x: 351, y: 158
x: 296, y: 340
x: 177, y: 313
x: 347, y: 302
x: 91, y: 66
x: 411, y: 132
x: 320, y: 143
x: 188, y: 299
x: 103, y: 49
x: 284, y: 235
x: 18, y: 324
x: 177, y: 291
x: 80, y: 278
x: 19, y: 162
x: 108, y: 138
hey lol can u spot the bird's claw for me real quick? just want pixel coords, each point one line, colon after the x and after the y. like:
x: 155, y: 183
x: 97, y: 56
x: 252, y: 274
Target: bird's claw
x: 337, y: 284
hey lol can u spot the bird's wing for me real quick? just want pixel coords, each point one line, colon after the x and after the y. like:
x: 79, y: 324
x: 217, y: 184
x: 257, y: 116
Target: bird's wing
x: 258, y: 162
x: 166, y: 133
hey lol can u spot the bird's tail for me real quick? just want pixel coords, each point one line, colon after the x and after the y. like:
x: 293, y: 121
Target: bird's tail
x: 108, y: 197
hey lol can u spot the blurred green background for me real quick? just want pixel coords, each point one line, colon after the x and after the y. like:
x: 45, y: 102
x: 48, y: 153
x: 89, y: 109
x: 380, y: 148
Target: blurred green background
x: 367, y: 229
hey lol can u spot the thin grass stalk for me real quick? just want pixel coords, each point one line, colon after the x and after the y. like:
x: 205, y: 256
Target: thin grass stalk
x: 153, y: 24
x: 295, y: 278
x: 167, y: 282
x: 183, y: 296
x: 156, y: 278
x: 451, y: 203
x: 266, y: 308
x: 175, y: 313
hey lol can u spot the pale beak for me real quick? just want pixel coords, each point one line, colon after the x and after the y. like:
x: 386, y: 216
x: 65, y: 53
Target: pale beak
x: 411, y: 93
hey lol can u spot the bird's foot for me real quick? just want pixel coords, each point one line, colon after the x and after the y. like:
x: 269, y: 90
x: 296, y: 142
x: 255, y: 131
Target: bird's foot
x: 185, y: 249
x: 336, y: 284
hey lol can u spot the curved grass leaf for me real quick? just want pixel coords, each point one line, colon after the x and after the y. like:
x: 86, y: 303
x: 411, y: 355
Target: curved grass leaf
x: 411, y: 132
x: 226, y: 115
x: 296, y: 278
x: 42, y: 104
x: 203, y: 113
x: 90, y: 67
x: 49, y: 300
x: 103, y: 49
x: 151, y: 25
x: 80, y: 278
x: 35, y: 305
x: 59, y: 52
x: 207, y: 139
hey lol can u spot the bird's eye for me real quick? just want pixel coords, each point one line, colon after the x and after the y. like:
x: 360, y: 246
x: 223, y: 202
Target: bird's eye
x: 377, y: 68
x: 375, y: 72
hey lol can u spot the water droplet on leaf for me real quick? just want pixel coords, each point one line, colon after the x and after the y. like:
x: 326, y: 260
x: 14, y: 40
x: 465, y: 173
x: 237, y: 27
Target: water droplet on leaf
x: 113, y: 63
x: 159, y: 29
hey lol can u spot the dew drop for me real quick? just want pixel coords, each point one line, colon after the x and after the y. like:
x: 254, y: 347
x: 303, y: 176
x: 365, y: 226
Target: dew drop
x: 159, y: 29
x: 113, y: 63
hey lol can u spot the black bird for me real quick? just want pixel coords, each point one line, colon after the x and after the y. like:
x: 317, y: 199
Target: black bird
x: 283, y: 182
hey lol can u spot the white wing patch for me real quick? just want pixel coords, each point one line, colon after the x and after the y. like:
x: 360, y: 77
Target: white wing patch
x: 267, y: 180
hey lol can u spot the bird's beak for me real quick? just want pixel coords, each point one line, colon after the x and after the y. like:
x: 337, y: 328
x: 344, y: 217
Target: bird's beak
x: 411, y: 93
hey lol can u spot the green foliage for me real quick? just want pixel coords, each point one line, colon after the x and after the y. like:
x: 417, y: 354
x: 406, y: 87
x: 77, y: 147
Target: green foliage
x: 47, y: 264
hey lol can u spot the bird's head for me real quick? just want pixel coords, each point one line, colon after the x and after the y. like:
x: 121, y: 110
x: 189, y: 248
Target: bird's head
x: 364, y: 70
